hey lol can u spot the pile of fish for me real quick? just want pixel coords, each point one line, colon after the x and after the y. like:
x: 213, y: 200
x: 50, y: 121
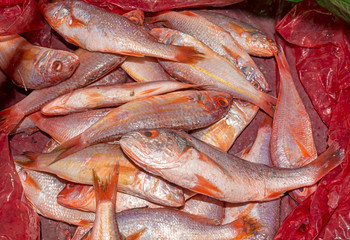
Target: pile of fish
x: 148, y: 159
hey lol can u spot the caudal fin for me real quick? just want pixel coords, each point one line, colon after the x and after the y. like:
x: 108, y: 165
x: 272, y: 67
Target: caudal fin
x: 244, y: 227
x: 34, y: 160
x: 266, y: 102
x: 106, y: 189
x: 9, y: 119
x: 69, y: 147
x: 325, y: 163
x: 186, y: 54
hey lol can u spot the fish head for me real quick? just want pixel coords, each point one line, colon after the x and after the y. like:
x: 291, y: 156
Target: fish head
x: 260, y: 44
x: 76, y: 195
x: 211, y: 101
x: 154, y: 149
x: 56, y: 65
x: 302, y: 193
x: 174, y: 37
x: 55, y: 11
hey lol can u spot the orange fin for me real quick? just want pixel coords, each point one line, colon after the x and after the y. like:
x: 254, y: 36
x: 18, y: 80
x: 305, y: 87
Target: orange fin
x: 244, y: 227
x: 190, y: 14
x: 158, y: 17
x: 267, y: 103
x: 236, y: 28
x: 9, y: 119
x: 69, y: 147
x: 106, y: 189
x: 84, y: 223
x: 147, y: 91
x: 136, y: 235
x: 187, y: 54
x: 206, y: 187
x: 136, y: 16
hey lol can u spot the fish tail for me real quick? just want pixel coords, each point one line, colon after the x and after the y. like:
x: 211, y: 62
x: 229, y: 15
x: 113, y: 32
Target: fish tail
x: 282, y: 63
x: 69, y: 147
x: 266, y: 102
x: 106, y: 189
x: 9, y: 119
x: 32, y: 160
x: 186, y: 54
x: 324, y: 163
x: 244, y: 227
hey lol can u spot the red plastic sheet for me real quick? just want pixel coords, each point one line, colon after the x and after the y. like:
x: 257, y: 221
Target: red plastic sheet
x: 321, y: 43
x: 18, y: 220
x: 18, y: 16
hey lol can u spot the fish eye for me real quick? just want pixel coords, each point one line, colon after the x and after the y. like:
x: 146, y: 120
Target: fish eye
x: 222, y: 102
x: 150, y: 133
x: 70, y: 185
x: 301, y: 190
x: 64, y: 11
x: 57, y: 65
x: 256, y: 84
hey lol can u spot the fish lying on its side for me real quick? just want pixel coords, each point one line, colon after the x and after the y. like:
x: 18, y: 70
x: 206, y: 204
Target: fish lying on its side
x: 185, y: 110
x: 41, y: 190
x: 78, y: 168
x: 213, y: 70
x: 105, y: 224
x: 97, y: 29
x: 109, y: 96
x: 92, y: 67
x: 34, y: 67
x: 197, y: 166
x: 292, y: 143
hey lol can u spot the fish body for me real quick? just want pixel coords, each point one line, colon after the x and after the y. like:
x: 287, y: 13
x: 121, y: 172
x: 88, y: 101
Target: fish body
x: 266, y: 213
x: 172, y: 224
x: 97, y: 29
x: 82, y: 197
x: 146, y: 69
x: 41, y: 190
x: 78, y: 168
x: 213, y: 70
x: 34, y: 67
x: 216, y: 38
x: 185, y: 110
x: 224, y: 132
x: 108, y: 96
x: 197, y: 166
x: 253, y: 40
x: 115, y: 77
x: 206, y: 207
x: 292, y: 143
x: 93, y: 66
x: 105, y: 225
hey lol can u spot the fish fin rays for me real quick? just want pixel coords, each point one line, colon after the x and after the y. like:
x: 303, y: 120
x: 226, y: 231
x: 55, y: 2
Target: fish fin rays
x: 106, y: 189
x: 136, y: 235
x: 206, y: 187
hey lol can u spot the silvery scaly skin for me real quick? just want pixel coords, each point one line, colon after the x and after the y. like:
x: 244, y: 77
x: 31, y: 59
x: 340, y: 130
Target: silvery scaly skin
x: 213, y: 70
x: 34, y: 67
x: 253, y: 40
x: 97, y: 29
x: 171, y: 224
x: 92, y: 67
x: 292, y: 143
x: 224, y: 132
x: 266, y: 213
x: 109, y: 96
x: 41, y: 190
x: 215, y: 38
x: 78, y: 168
x: 185, y: 110
x: 197, y: 166
x: 82, y: 197
x: 115, y: 77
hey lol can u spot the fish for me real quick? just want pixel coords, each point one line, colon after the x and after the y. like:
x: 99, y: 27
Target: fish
x: 109, y: 96
x: 145, y: 69
x: 115, y: 77
x: 105, y: 224
x: 82, y: 197
x: 26, y: 126
x: 34, y: 67
x: 41, y: 190
x: 216, y: 38
x: 185, y: 110
x: 169, y: 224
x: 214, y: 71
x: 206, y: 207
x: 224, y: 132
x: 96, y: 29
x: 266, y: 213
x: 93, y: 66
x: 253, y: 40
x: 292, y: 143
x: 190, y: 163
x: 78, y: 168
x: 136, y: 16
x: 63, y: 128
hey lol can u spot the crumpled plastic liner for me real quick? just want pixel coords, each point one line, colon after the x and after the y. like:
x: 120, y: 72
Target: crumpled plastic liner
x: 18, y: 16
x: 321, y: 43
x: 18, y: 220
x: 119, y: 6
